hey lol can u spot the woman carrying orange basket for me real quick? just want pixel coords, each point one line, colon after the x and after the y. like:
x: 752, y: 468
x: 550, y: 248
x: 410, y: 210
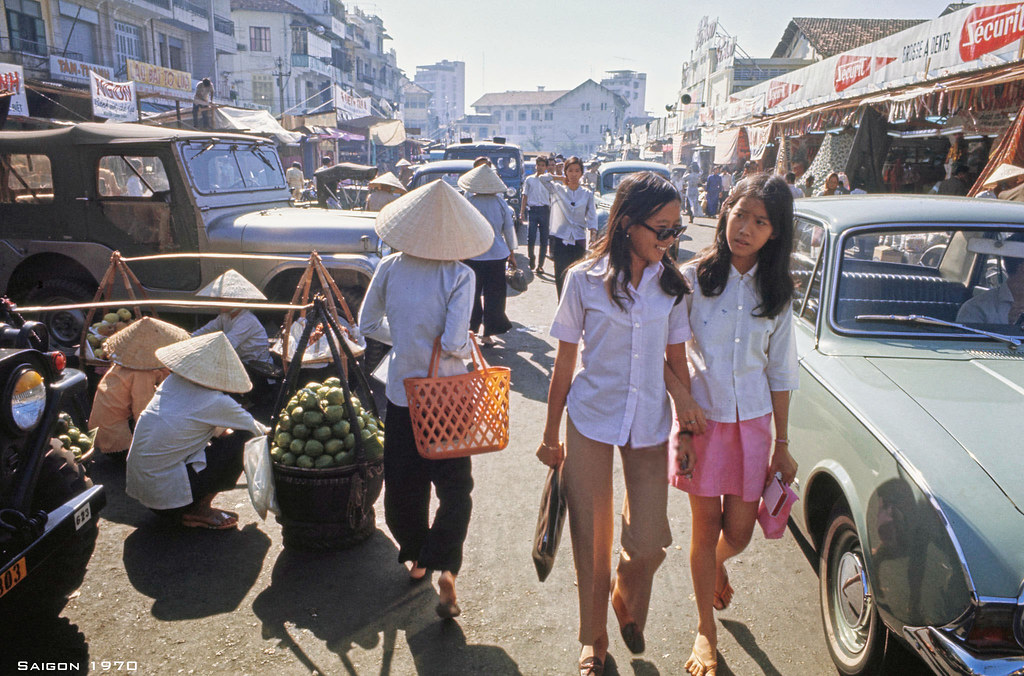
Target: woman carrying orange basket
x: 625, y: 303
x: 416, y: 295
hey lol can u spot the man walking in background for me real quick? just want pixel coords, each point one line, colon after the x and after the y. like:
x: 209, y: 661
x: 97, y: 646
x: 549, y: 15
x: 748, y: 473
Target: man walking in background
x: 536, y: 207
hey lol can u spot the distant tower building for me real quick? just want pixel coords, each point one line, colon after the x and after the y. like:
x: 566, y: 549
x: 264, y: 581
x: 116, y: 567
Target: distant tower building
x: 631, y: 86
x: 446, y: 80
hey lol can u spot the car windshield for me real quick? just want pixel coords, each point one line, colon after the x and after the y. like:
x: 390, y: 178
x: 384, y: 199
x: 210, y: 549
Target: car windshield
x: 506, y: 163
x: 927, y: 279
x: 449, y: 177
x: 228, y: 167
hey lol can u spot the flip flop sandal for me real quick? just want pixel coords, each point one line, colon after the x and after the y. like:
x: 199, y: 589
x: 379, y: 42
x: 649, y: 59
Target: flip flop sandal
x: 591, y: 666
x: 705, y: 667
x: 723, y: 598
x: 225, y: 522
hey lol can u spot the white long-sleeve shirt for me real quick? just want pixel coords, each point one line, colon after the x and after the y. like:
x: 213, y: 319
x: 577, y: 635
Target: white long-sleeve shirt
x: 244, y: 332
x: 410, y: 302
x: 172, y: 432
x: 499, y: 214
x: 573, y: 212
x: 737, y: 360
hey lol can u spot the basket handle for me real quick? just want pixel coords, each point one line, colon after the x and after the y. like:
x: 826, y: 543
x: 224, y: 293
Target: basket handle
x: 476, y: 355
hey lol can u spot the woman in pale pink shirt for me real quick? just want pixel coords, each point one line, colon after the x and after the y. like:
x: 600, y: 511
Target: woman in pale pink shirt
x: 742, y: 366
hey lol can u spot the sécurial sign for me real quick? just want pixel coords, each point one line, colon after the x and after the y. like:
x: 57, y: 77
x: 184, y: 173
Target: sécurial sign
x: 113, y: 100
x: 70, y: 70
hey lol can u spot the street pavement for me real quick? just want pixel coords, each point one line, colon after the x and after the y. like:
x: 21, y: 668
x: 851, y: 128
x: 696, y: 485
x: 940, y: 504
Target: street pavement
x: 169, y: 601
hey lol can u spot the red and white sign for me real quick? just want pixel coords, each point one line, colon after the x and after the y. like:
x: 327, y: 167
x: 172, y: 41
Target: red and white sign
x: 779, y: 91
x: 990, y: 27
x: 852, y: 69
x: 12, y: 83
x: 113, y: 100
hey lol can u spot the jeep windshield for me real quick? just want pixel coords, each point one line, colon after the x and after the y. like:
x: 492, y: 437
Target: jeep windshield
x: 506, y: 162
x: 219, y: 167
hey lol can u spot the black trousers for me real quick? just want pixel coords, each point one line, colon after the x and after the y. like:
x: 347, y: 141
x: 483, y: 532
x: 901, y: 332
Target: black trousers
x: 489, y: 297
x: 223, y: 467
x: 407, y: 480
x: 564, y: 254
x: 539, y: 222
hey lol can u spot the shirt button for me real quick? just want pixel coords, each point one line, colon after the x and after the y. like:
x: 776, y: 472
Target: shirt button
x: 632, y: 389
x: 737, y: 340
x: 636, y: 324
x: 739, y: 307
x: 636, y: 356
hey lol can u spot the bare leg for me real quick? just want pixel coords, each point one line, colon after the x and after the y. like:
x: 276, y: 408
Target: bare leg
x: 707, y: 528
x: 738, y: 522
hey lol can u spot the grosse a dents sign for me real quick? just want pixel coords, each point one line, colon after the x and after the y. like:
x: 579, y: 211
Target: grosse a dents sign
x: 976, y: 37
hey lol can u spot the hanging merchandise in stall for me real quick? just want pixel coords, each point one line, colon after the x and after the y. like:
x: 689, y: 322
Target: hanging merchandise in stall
x: 1009, y: 151
x: 870, y: 147
x: 834, y: 155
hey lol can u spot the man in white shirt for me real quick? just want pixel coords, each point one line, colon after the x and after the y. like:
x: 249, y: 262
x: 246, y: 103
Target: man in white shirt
x: 791, y: 182
x: 1001, y: 305
x: 295, y: 179
x: 536, y: 207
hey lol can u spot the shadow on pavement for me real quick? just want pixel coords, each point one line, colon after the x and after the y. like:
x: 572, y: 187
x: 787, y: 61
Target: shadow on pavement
x: 43, y: 640
x: 531, y: 372
x: 358, y: 600
x: 192, y: 572
x: 120, y: 508
x: 746, y: 639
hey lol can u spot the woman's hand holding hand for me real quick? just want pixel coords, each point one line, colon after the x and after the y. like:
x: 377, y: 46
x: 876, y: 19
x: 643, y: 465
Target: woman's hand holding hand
x: 551, y: 453
x: 686, y: 458
x: 691, y: 416
x: 782, y: 462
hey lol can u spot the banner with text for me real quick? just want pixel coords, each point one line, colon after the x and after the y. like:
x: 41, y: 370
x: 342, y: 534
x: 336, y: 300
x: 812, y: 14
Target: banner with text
x: 155, y: 78
x: 350, y: 107
x: 12, y: 83
x: 977, y: 37
x: 113, y: 100
x: 72, y: 70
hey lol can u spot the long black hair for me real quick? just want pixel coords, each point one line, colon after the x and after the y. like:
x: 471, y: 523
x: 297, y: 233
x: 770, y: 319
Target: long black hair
x: 639, y: 196
x: 774, y: 283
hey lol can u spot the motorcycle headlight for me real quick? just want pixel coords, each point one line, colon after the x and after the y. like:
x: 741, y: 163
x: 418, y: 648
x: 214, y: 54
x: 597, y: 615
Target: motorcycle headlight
x: 28, y: 399
x: 511, y: 192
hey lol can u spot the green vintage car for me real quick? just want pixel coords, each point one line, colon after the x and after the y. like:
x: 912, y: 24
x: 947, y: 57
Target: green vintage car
x: 909, y: 427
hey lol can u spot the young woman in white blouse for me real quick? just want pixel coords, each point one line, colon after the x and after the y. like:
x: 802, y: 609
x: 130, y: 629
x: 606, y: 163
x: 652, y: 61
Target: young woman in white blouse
x: 743, y: 366
x: 573, y: 217
x: 625, y: 303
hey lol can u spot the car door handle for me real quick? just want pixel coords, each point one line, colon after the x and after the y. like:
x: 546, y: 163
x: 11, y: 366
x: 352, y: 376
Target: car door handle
x: 82, y: 199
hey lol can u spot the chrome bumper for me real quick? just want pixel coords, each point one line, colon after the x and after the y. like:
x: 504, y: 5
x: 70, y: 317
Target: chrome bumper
x: 947, y: 657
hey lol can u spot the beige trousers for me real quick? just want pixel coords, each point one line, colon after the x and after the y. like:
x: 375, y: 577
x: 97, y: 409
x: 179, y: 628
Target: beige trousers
x: 587, y: 475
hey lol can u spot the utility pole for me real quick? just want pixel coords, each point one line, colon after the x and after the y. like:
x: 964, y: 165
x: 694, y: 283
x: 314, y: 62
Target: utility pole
x: 281, y: 76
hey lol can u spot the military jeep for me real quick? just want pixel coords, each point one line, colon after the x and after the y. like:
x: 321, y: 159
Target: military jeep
x: 69, y: 197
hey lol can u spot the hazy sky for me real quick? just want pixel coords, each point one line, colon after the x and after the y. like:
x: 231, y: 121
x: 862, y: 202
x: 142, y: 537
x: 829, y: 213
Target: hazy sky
x: 520, y: 44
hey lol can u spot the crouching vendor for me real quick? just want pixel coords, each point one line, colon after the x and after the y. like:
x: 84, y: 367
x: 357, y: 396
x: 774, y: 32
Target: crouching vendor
x: 177, y: 462
x: 242, y: 328
x: 128, y: 385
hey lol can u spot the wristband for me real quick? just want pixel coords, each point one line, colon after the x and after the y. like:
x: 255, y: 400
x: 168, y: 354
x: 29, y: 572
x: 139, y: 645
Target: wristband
x: 782, y: 441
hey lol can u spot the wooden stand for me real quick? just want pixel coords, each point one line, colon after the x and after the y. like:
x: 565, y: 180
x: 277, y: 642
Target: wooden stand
x: 118, y: 269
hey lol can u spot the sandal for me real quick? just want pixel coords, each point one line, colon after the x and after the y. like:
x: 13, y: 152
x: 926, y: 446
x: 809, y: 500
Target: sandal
x: 217, y: 520
x: 591, y: 666
x: 447, y: 609
x: 417, y: 574
x: 698, y: 667
x: 632, y: 636
x: 723, y: 596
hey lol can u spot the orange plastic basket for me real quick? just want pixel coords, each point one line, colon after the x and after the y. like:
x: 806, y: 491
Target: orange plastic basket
x: 460, y: 415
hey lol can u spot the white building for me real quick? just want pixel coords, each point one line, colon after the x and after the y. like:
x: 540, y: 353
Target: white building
x: 446, y: 80
x: 571, y: 122
x: 415, y: 107
x: 631, y: 86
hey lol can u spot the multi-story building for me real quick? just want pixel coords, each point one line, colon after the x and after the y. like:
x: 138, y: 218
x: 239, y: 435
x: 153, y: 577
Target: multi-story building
x: 572, y: 122
x: 476, y: 127
x: 162, y: 44
x: 631, y: 86
x: 415, y: 107
x: 376, y: 71
x: 446, y: 80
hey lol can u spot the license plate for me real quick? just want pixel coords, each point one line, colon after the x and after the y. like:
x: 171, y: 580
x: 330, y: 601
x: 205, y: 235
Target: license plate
x: 13, y: 575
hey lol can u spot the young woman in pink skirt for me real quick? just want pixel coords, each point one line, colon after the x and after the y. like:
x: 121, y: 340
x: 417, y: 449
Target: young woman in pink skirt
x: 742, y: 366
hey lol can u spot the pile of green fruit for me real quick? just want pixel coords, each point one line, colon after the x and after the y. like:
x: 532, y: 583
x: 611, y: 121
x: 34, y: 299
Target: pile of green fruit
x: 314, y: 431
x: 70, y: 437
x: 100, y: 331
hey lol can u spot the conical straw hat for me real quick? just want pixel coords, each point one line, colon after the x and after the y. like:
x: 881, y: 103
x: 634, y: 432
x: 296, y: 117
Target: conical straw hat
x: 207, y: 360
x: 135, y: 345
x: 483, y: 181
x: 389, y: 180
x: 231, y: 285
x: 435, y: 222
x: 403, y: 163
x: 1003, y: 172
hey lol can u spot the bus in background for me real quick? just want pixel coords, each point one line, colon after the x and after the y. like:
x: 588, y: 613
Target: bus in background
x: 507, y: 159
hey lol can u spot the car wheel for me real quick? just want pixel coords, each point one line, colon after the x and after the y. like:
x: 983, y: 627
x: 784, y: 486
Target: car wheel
x: 65, y: 326
x: 854, y: 633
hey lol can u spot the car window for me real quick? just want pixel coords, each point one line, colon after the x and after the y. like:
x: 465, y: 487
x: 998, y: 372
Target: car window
x: 886, y: 276
x: 611, y: 181
x: 808, y: 245
x: 449, y: 177
x: 130, y: 176
x: 25, y: 179
x: 220, y: 167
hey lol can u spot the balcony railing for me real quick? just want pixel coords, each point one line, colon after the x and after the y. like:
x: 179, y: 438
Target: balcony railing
x: 36, y: 49
x: 192, y: 7
x: 222, y: 25
x: 166, y: 4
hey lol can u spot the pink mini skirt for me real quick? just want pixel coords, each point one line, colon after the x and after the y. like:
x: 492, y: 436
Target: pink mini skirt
x: 732, y: 459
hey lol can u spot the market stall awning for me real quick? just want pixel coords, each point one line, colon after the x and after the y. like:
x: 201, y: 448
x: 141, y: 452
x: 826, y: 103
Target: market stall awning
x: 731, y: 146
x: 389, y: 133
x: 331, y: 133
x: 255, y: 121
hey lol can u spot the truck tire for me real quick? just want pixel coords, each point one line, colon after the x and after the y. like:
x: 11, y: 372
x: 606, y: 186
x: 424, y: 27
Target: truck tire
x: 44, y: 594
x: 65, y: 326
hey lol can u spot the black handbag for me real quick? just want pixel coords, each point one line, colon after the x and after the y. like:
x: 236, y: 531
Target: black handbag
x: 549, y: 523
x: 516, y: 279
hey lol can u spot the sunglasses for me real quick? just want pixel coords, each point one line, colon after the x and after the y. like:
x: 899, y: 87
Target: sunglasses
x: 665, y: 233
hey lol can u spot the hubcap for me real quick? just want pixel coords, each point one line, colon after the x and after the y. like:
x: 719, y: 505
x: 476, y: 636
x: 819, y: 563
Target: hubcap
x: 852, y: 588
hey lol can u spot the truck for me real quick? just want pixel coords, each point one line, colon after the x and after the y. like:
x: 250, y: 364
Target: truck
x: 507, y: 159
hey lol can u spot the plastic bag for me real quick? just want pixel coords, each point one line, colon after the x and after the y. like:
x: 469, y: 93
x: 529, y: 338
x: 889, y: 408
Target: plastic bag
x: 549, y: 523
x: 319, y: 351
x: 259, y: 476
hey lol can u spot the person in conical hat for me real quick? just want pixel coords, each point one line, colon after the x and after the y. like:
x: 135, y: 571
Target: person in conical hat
x: 180, y: 457
x: 486, y: 191
x: 241, y: 327
x: 419, y: 294
x: 128, y: 385
x: 384, y: 189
